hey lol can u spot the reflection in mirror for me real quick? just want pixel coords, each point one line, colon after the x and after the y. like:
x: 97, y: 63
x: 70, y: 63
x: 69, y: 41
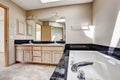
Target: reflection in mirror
x: 38, y: 32
x: 50, y: 30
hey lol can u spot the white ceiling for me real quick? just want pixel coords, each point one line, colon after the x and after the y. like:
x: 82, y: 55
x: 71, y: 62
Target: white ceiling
x: 36, y: 4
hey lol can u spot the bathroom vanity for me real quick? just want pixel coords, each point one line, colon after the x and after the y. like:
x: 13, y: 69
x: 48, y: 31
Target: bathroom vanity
x: 39, y: 53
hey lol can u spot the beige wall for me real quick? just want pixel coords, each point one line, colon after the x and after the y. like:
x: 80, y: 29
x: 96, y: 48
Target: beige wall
x: 104, y: 18
x: 75, y: 14
x: 15, y: 13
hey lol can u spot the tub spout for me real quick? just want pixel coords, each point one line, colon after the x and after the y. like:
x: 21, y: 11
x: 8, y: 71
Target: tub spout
x: 75, y: 66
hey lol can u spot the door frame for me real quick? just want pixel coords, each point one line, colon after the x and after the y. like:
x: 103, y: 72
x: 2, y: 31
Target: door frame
x: 6, y: 33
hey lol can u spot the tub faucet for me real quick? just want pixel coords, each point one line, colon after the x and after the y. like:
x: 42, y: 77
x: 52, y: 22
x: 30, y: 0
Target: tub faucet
x: 75, y: 66
x: 81, y: 75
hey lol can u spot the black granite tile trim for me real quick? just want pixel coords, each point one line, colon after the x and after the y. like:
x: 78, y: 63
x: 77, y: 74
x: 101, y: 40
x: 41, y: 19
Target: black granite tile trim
x: 37, y: 42
x: 78, y: 47
x: 115, y: 53
x: 85, y: 47
x: 110, y: 51
x: 99, y: 47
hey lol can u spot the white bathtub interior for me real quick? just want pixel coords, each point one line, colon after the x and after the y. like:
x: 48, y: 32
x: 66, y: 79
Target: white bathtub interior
x: 104, y: 67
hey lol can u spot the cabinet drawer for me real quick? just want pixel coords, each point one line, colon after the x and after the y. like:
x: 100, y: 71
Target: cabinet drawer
x: 24, y: 48
x: 20, y: 48
x: 37, y: 59
x: 52, y: 48
x: 36, y: 48
x: 27, y: 48
x: 36, y: 53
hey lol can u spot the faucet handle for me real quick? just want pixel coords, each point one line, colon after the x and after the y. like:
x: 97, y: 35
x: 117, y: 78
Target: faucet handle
x: 81, y: 75
x: 30, y: 42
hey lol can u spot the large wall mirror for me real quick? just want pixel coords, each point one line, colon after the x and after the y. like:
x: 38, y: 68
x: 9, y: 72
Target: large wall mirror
x: 49, y: 29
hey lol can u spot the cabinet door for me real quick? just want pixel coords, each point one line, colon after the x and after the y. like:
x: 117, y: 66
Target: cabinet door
x: 46, y: 57
x: 37, y: 56
x: 27, y: 56
x: 19, y: 55
x: 56, y: 56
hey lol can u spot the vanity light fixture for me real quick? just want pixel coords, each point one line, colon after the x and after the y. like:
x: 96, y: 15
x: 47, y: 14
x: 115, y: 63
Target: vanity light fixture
x: 60, y: 20
x: 48, y: 1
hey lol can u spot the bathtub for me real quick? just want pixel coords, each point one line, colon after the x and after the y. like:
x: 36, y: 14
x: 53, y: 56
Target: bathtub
x: 104, y: 67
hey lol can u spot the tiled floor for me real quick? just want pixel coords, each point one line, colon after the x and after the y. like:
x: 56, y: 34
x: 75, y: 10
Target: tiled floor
x: 26, y: 72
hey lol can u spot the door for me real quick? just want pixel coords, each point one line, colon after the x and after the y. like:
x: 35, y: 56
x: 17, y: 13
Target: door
x: 3, y: 35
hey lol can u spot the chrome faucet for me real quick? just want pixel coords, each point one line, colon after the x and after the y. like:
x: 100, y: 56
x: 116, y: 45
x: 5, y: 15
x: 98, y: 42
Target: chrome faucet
x: 81, y: 75
x: 30, y: 42
x: 75, y: 66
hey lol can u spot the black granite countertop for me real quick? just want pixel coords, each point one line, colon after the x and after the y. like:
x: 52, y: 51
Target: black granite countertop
x: 37, y: 42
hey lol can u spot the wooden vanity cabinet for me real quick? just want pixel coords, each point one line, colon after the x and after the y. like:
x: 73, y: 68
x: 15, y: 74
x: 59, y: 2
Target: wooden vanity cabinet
x: 27, y: 51
x: 56, y: 56
x: 52, y: 54
x: 19, y: 53
x: 23, y: 53
x: 46, y: 57
x: 39, y: 54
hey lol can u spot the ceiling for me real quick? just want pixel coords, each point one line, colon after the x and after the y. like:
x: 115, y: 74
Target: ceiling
x: 36, y: 4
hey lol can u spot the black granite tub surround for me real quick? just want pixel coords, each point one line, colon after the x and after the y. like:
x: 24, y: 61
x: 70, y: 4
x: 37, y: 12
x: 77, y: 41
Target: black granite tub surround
x: 107, y: 50
x: 78, y: 46
x: 60, y: 72
x: 110, y: 51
